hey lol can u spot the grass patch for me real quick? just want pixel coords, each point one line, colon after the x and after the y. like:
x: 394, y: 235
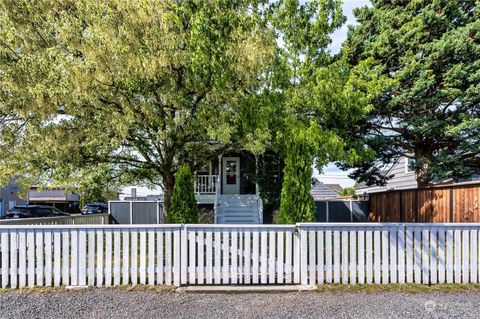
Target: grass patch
x: 400, y: 288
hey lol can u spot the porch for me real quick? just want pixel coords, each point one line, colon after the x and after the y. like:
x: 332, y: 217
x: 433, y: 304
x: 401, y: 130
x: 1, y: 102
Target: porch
x: 228, y: 184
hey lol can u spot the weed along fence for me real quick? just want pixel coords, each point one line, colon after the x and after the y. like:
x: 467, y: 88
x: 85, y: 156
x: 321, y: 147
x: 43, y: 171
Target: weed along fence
x: 307, y: 254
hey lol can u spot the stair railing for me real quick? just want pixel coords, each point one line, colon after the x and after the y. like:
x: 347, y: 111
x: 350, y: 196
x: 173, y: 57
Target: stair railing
x: 217, y: 202
x: 260, y: 209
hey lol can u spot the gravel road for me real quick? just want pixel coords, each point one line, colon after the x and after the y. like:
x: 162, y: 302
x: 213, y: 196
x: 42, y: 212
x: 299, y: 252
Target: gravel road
x: 120, y: 303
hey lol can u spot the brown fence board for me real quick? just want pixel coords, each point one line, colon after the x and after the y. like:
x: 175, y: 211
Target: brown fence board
x: 440, y: 204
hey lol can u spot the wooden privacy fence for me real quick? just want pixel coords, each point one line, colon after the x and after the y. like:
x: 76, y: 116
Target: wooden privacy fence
x: 459, y: 203
x: 308, y: 254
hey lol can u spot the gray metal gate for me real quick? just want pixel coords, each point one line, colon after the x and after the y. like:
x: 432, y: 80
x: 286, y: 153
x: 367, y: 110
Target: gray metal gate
x: 136, y: 212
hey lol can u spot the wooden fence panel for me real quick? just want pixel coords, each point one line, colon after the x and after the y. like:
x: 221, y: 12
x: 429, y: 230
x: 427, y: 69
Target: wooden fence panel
x: 449, y: 203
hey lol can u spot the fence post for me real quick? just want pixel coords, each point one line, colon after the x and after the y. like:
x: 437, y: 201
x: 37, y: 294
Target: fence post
x: 176, y: 257
x: 303, y: 252
x: 351, y: 211
x: 184, y: 255
x: 296, y: 255
x: 326, y: 211
x: 131, y: 213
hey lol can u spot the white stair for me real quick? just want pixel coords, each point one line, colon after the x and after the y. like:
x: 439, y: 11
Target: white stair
x: 238, y: 209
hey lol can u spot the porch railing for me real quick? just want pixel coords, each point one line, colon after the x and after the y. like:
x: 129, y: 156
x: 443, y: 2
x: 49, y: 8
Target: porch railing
x: 205, y: 184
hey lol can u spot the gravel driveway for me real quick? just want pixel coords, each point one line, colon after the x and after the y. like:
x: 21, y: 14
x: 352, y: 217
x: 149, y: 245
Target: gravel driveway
x: 120, y: 303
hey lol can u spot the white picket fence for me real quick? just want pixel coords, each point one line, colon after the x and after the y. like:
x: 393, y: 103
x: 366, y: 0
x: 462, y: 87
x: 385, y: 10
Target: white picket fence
x: 308, y: 254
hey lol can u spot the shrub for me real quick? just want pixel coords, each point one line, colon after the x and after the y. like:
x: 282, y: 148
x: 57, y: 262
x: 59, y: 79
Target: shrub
x: 296, y: 204
x: 183, y: 207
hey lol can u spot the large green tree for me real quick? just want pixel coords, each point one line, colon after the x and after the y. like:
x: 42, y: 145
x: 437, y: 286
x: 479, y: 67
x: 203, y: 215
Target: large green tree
x: 136, y: 88
x: 313, y: 99
x: 427, y: 54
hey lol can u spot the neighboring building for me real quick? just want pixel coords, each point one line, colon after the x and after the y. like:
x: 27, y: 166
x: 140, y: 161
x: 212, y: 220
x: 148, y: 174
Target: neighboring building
x: 65, y: 201
x: 320, y: 191
x: 403, y: 178
x: 335, y: 187
x: 9, y: 198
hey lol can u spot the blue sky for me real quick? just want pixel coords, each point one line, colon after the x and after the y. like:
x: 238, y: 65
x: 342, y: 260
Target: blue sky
x: 341, y: 35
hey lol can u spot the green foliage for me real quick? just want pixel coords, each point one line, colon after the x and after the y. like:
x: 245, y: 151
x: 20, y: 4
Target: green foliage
x: 296, y: 202
x: 140, y: 86
x: 427, y: 54
x: 184, y: 208
x: 97, y: 186
x: 269, y: 178
x: 348, y: 191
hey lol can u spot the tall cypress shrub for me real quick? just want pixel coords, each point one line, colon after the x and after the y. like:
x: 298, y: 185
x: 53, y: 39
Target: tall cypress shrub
x: 183, y: 209
x: 296, y: 203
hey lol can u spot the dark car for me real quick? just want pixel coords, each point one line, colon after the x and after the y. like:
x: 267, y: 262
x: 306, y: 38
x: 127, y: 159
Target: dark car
x: 95, y: 208
x: 33, y: 211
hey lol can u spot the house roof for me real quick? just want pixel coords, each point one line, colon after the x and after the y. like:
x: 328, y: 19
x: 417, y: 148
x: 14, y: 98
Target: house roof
x: 320, y: 190
x: 335, y: 187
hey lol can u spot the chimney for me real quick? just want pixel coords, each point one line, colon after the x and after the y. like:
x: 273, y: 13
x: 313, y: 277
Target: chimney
x: 133, y: 192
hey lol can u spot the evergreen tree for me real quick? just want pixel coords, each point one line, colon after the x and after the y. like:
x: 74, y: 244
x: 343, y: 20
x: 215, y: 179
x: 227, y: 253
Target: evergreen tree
x: 296, y: 203
x: 184, y: 208
x: 428, y: 54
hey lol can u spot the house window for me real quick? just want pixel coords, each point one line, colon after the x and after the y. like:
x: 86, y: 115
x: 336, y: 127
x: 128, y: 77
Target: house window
x: 408, y: 164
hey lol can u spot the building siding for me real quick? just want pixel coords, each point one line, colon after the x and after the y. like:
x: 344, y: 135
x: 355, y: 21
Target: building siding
x: 400, y: 180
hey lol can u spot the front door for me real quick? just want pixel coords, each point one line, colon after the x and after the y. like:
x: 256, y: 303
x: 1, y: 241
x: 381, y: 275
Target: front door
x: 231, y: 175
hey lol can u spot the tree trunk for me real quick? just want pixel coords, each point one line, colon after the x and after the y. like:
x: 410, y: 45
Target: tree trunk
x: 424, y: 157
x: 168, y: 184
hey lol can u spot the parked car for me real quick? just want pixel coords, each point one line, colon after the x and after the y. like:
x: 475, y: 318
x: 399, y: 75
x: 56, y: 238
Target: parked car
x: 95, y: 208
x: 33, y: 211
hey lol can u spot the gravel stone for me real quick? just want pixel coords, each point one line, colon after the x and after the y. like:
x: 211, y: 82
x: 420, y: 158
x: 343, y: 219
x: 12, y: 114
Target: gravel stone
x: 121, y: 303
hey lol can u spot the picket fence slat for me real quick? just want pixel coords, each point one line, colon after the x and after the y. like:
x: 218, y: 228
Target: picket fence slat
x: 142, y: 268
x: 218, y: 257
x: 328, y: 257
x: 458, y: 256
x: 91, y: 257
x: 209, y: 261
x: 263, y: 257
x: 361, y: 257
x: 288, y: 257
x: 108, y: 257
x: 5, y: 262
x: 418, y: 256
x: 401, y: 255
x: 449, y: 241
x: 441, y: 256
x: 344, y: 260
x: 320, y: 258
x: 474, y: 257
x: 168, y: 258
x: 311, y: 257
x: 308, y: 254
x: 13, y: 260
x: 353, y: 257
x: 234, y: 258
x: 336, y: 256
x: 116, y: 259
x: 22, y: 259
x: 99, y: 265
x: 377, y: 261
